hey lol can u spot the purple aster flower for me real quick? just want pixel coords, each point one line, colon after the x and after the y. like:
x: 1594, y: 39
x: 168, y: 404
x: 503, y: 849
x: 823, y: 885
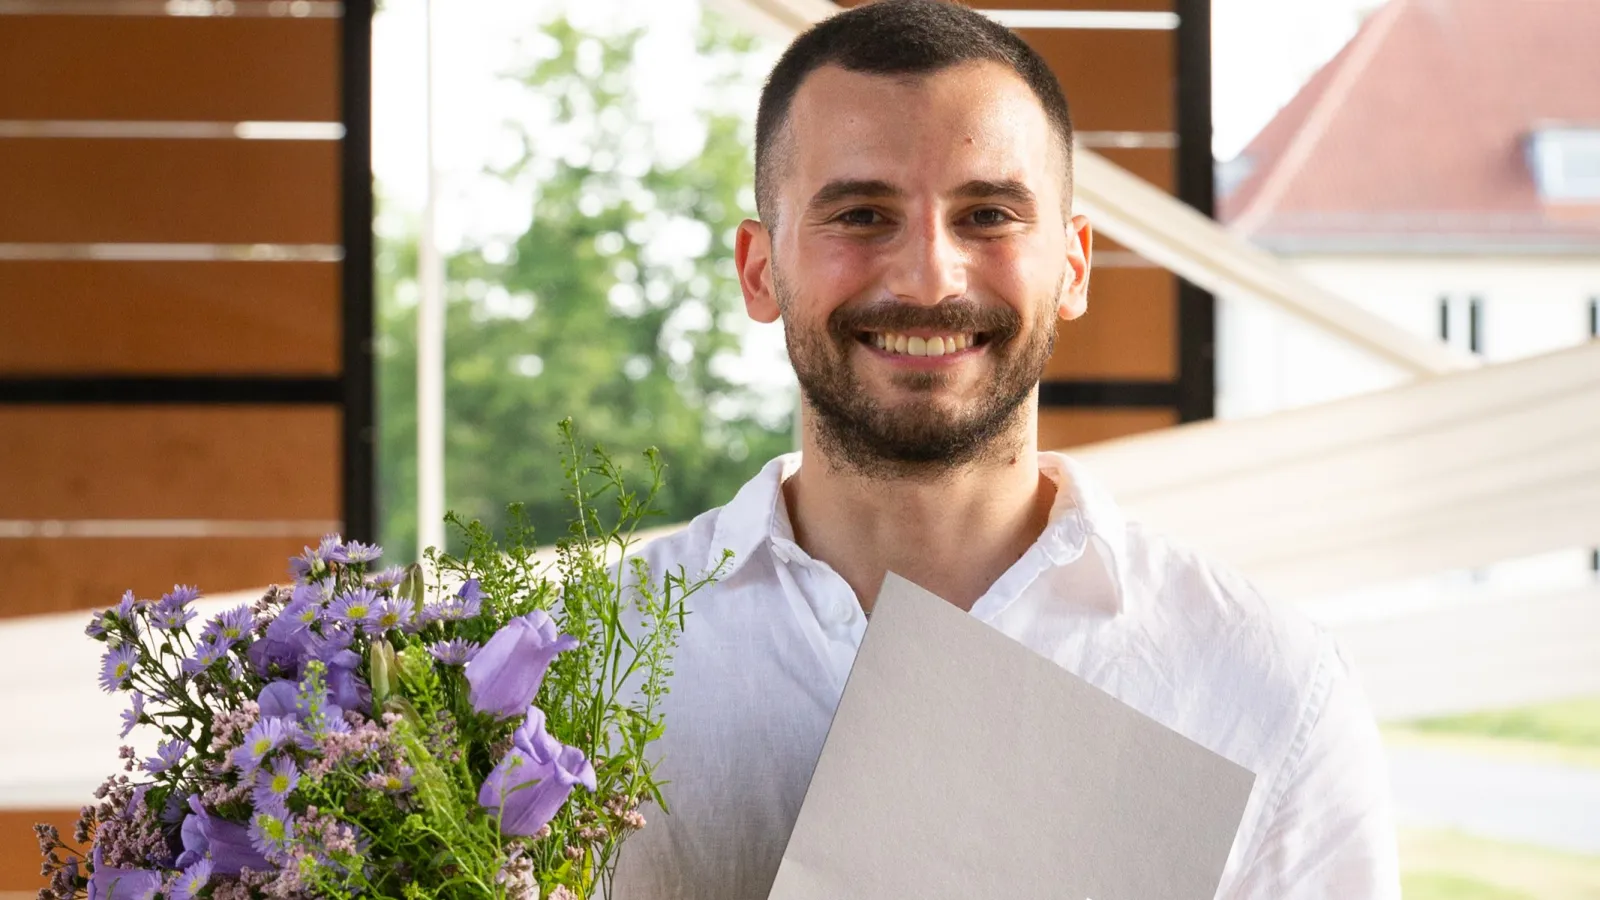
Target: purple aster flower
x: 116, y: 668
x: 97, y: 625
x: 297, y: 617
x: 532, y: 781
x: 168, y: 754
x: 506, y: 674
x: 226, y: 844
x: 192, y: 881
x: 465, y: 604
x: 206, y: 655
x: 273, y: 787
x: 270, y: 829
x: 108, y: 883
x: 357, y: 608
x: 333, y: 549
x: 318, y: 592
x: 357, y: 552
x: 391, y: 614
x: 388, y: 579
x: 129, y: 607
x: 264, y: 737
x: 131, y: 716
x: 172, y: 611
x: 454, y: 652
x: 231, y: 626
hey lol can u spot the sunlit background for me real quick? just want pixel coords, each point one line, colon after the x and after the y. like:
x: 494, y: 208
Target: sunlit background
x: 1372, y: 384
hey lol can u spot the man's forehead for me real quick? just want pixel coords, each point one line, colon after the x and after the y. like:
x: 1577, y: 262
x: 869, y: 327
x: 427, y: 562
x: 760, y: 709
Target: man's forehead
x: 982, y: 113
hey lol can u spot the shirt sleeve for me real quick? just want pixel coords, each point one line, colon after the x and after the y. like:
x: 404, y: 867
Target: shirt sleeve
x: 1331, y: 836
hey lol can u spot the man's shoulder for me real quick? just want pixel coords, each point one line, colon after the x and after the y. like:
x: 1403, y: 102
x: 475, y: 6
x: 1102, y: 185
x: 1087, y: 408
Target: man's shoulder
x: 1229, y: 627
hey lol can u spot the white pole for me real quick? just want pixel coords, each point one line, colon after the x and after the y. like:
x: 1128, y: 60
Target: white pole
x: 430, y: 337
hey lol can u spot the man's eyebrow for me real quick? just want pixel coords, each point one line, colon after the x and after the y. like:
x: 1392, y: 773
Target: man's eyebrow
x: 852, y: 188
x: 1005, y: 189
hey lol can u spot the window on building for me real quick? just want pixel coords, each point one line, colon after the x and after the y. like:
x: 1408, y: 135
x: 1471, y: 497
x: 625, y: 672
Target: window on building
x: 1566, y: 163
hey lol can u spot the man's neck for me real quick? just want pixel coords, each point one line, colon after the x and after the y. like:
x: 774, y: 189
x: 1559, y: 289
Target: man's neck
x: 953, y: 535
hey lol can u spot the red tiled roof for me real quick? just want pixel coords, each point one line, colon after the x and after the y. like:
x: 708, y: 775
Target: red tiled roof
x: 1418, y: 129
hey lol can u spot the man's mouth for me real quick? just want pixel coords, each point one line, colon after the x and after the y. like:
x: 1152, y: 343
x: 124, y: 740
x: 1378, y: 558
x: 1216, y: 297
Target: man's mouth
x: 935, y: 344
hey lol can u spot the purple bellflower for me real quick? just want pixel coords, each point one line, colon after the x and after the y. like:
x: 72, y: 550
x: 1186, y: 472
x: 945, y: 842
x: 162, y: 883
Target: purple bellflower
x: 226, y: 844
x: 506, y: 674
x: 534, y: 778
x: 107, y: 883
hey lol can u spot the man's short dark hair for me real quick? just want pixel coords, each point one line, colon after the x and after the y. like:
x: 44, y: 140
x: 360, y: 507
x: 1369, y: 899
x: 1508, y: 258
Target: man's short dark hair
x: 898, y: 37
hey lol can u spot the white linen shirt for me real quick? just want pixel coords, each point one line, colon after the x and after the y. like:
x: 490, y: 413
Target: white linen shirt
x: 766, y: 650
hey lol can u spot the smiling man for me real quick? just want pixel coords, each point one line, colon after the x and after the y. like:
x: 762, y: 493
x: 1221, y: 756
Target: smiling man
x: 914, y: 181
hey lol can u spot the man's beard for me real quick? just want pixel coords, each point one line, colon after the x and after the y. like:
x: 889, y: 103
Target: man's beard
x: 917, y: 438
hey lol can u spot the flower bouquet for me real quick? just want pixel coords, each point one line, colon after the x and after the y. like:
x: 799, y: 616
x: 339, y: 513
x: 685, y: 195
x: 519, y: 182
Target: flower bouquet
x: 476, y: 727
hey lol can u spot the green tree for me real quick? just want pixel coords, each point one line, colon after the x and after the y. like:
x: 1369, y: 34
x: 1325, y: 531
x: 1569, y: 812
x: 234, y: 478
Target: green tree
x: 587, y: 316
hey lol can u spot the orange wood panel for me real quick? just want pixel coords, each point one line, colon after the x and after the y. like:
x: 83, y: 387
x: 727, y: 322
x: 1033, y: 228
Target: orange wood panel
x: 1130, y: 330
x: 45, y: 575
x: 169, y: 462
x: 1157, y: 166
x: 184, y: 191
x: 19, y: 850
x: 1114, y: 80
x: 1061, y: 429
x: 97, y: 317
x: 169, y: 68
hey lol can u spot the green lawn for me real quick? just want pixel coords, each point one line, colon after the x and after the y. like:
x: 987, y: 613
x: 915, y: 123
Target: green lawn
x: 1439, y: 865
x: 1572, y: 723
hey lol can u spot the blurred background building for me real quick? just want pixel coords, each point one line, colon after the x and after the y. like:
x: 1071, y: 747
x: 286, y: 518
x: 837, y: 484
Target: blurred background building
x: 210, y: 329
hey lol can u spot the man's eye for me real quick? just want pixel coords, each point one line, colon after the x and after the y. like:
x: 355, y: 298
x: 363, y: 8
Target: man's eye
x: 859, y: 217
x: 990, y: 217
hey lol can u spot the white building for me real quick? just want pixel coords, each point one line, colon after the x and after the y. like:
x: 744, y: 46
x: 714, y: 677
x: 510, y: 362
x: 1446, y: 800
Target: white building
x: 1443, y: 170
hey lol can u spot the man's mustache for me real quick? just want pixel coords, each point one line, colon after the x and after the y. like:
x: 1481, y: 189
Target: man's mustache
x: 997, y: 323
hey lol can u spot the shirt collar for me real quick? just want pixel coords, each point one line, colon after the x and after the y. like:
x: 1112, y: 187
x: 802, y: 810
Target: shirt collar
x: 1084, y: 520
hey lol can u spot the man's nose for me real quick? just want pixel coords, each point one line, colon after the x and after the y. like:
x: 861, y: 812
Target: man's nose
x: 928, y: 265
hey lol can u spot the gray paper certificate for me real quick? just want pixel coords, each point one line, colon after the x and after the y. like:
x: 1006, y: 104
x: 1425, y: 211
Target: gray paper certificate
x: 961, y: 764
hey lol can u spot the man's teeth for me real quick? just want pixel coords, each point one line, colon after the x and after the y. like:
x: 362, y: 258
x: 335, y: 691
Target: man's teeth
x: 912, y: 345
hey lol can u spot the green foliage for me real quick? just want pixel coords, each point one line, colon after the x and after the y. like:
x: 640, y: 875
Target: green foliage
x: 601, y: 697
x: 1445, y: 886
x: 1572, y: 723
x: 586, y: 315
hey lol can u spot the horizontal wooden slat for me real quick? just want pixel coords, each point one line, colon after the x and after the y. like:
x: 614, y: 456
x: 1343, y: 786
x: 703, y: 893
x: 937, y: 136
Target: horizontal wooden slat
x: 1114, y: 80
x: 1061, y: 429
x: 169, y: 68
x: 77, y: 318
x: 1155, y: 165
x: 1130, y: 330
x: 179, y: 462
x: 19, y: 850
x: 225, y: 191
x: 45, y: 575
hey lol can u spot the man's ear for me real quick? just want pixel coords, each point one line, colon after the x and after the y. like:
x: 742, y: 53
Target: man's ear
x: 752, y: 256
x: 1074, y: 300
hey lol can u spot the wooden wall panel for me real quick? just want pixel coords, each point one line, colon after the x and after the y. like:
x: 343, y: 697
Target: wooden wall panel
x: 1129, y: 332
x: 180, y: 462
x: 169, y: 68
x: 169, y: 318
x: 1115, y: 80
x: 1062, y: 429
x: 45, y: 575
x: 1157, y: 166
x: 19, y: 851
x: 182, y: 191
